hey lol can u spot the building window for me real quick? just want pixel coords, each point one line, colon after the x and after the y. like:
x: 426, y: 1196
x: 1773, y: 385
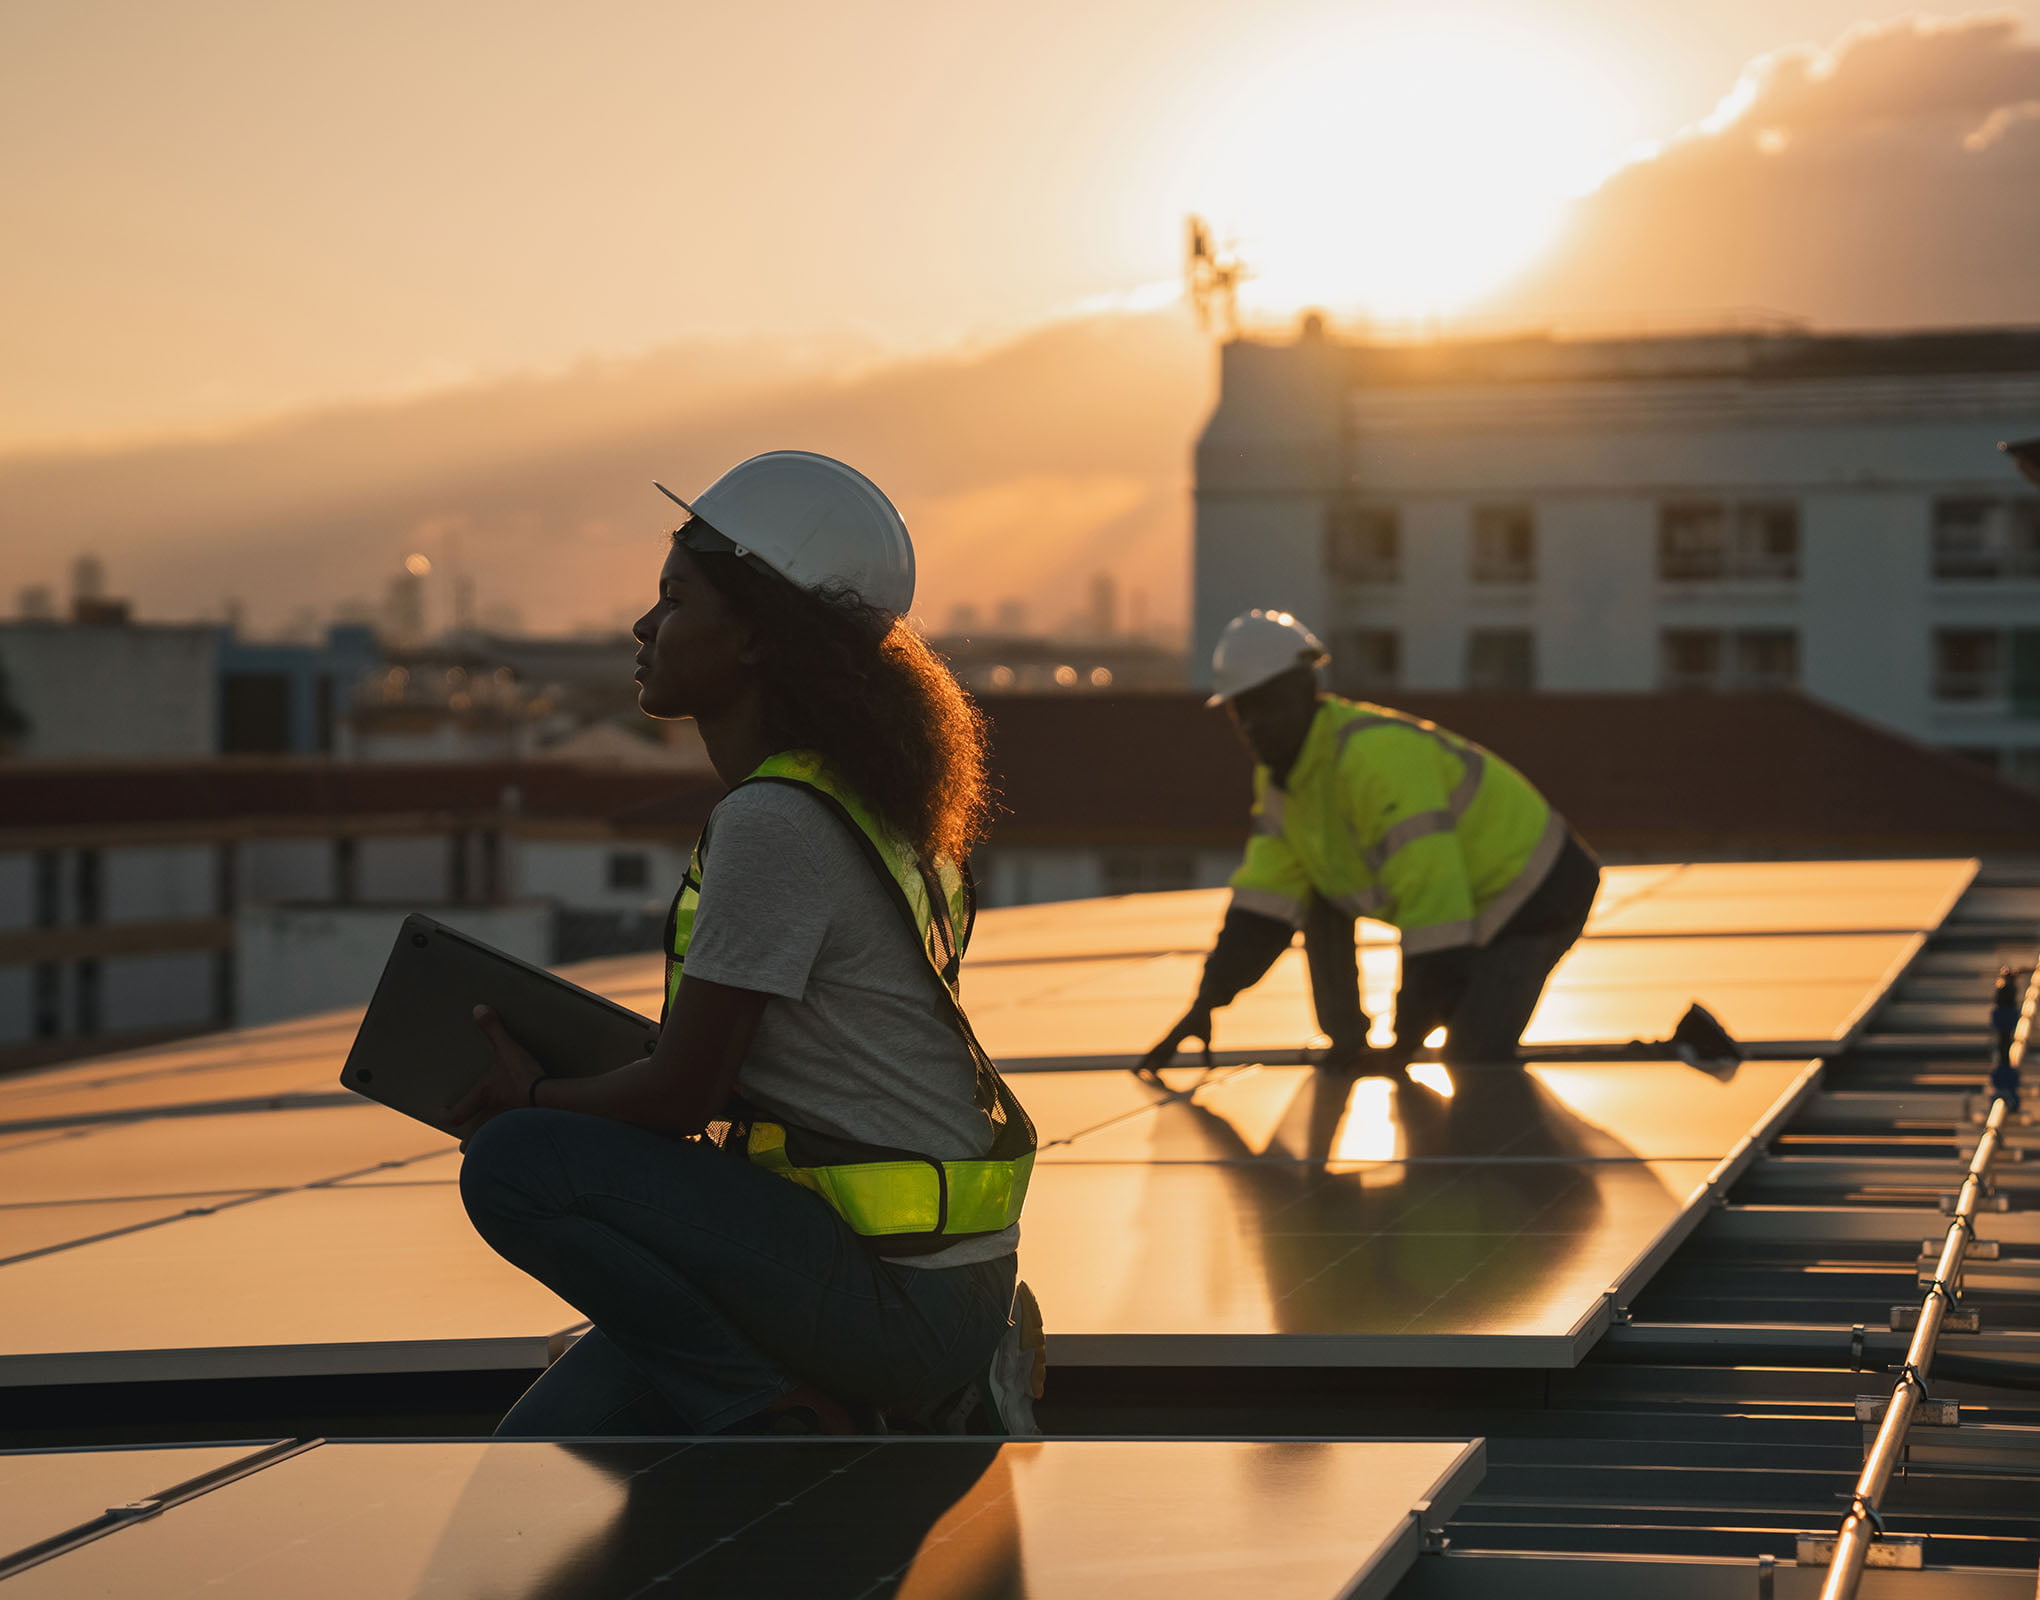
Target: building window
x: 1366, y: 660
x: 1766, y: 658
x: 2022, y: 766
x: 1504, y: 545
x: 49, y: 888
x: 629, y: 869
x: 1979, y: 536
x: 1989, y: 664
x: 49, y: 1000
x: 1716, y: 658
x: 1969, y: 664
x: 1708, y: 540
x: 88, y: 882
x: 85, y: 997
x: 1363, y: 544
x: 1146, y: 871
x: 1501, y: 658
x: 1690, y: 658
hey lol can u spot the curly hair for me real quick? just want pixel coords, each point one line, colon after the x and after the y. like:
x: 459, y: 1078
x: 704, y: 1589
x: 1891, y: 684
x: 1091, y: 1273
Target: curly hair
x: 862, y: 689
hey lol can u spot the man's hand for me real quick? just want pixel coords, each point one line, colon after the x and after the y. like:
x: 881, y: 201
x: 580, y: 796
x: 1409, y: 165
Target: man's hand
x: 505, y: 1087
x: 1195, y: 1024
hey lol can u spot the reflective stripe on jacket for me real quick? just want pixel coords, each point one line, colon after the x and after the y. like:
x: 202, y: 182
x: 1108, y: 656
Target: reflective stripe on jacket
x: 1391, y: 817
x: 910, y: 1202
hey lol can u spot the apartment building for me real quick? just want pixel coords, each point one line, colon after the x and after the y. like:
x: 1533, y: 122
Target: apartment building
x: 144, y: 901
x: 1735, y: 511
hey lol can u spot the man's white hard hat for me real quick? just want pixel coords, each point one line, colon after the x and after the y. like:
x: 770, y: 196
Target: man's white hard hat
x: 1256, y: 646
x: 812, y: 520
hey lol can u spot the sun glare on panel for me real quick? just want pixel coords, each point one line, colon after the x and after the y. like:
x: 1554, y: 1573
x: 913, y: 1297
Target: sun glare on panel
x: 1433, y: 1076
x: 1367, y: 1130
x: 1402, y: 170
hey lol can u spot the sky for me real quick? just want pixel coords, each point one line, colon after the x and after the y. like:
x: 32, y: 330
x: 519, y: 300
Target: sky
x: 268, y: 235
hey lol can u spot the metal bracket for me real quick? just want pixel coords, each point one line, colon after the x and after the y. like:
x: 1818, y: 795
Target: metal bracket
x: 1957, y: 1319
x: 1927, y: 1412
x: 1979, y: 1249
x: 1901, y: 1550
x: 1431, y: 1538
x: 1988, y: 1200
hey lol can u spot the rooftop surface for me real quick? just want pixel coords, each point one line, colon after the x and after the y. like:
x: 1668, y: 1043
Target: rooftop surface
x: 201, y: 1234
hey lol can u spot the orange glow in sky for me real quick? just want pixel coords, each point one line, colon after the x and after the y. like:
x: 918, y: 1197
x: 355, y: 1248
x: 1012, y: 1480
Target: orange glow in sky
x: 1400, y: 169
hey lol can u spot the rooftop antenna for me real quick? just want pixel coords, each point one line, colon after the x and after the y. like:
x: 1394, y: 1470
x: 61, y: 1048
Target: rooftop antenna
x: 1213, y: 276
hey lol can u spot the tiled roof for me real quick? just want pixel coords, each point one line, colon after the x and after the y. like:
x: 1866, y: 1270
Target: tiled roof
x: 1710, y: 774
x: 1638, y: 774
x: 199, y: 792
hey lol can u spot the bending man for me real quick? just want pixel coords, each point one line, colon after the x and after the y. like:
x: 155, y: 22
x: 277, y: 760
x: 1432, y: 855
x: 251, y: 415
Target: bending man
x: 1364, y: 811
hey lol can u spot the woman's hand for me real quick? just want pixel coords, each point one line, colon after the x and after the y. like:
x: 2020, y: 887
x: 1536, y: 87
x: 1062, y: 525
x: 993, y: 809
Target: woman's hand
x: 505, y: 1087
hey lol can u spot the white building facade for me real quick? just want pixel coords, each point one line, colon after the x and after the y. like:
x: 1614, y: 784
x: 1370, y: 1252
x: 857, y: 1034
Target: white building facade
x: 1730, y: 511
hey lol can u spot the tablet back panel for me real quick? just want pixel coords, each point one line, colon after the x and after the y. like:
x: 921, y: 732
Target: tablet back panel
x: 418, y: 1049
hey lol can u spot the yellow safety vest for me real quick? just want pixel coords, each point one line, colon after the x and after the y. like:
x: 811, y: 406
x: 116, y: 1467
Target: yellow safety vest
x: 1392, y: 817
x: 911, y: 1203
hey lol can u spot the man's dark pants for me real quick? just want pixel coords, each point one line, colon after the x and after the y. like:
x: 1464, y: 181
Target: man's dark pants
x: 1502, y: 989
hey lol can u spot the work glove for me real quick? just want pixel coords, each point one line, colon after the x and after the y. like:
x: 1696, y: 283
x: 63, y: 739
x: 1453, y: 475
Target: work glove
x: 1194, y: 1024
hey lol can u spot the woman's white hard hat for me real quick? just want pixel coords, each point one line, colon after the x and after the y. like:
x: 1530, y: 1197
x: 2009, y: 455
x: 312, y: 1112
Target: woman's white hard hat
x: 812, y: 520
x: 1256, y: 646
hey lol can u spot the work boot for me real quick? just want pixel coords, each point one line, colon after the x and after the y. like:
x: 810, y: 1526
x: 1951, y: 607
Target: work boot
x: 999, y: 1401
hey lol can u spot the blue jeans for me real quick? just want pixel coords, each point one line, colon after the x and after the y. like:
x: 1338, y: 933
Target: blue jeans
x: 714, y: 1288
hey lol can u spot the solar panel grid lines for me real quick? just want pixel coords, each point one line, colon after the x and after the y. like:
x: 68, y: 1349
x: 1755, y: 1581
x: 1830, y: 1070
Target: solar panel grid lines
x: 1274, y: 1215
x: 1147, y: 1519
x: 43, y: 1493
x: 44, y: 1227
x: 196, y: 1155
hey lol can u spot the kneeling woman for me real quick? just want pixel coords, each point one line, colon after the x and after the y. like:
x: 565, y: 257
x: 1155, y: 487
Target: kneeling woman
x: 847, y: 1246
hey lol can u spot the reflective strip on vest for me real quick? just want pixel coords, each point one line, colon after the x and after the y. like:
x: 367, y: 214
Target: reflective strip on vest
x: 915, y: 1195
x: 881, y: 1198
x: 1268, y: 903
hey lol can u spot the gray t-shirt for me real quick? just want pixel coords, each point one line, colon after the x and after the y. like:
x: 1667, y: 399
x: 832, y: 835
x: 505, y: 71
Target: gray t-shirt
x: 851, y: 1041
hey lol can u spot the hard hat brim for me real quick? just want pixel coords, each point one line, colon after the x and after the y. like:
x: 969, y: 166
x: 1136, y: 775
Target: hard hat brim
x: 670, y: 495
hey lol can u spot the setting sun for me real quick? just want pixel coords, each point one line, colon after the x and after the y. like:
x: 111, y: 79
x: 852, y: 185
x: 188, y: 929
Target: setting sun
x: 1400, y: 170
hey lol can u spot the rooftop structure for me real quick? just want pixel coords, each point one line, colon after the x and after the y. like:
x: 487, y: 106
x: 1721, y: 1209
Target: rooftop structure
x: 1714, y: 512
x: 141, y: 901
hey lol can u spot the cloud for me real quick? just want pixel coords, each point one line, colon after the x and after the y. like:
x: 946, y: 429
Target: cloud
x: 1023, y: 468
x: 1890, y: 181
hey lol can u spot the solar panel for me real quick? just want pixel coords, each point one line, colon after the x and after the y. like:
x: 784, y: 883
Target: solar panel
x: 1387, y: 1264
x: 199, y: 1155
x: 316, y: 1280
x: 29, y: 1229
x: 45, y: 1493
x: 1634, y: 1110
x: 1139, y: 1520
x: 1276, y: 1215
x: 1784, y: 897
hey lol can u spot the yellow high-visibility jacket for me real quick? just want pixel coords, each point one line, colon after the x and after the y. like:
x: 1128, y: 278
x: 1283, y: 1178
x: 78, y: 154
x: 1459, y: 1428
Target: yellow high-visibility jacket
x: 1391, y: 817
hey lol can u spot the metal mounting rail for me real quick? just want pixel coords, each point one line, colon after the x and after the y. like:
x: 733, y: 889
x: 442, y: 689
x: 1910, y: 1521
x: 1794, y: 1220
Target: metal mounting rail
x: 1864, y: 1524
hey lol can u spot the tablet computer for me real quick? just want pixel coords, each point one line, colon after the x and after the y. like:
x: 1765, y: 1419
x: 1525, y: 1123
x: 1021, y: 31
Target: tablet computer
x: 418, y: 1049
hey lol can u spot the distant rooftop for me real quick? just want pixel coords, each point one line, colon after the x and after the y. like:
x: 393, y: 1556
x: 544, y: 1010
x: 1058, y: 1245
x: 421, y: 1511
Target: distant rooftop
x: 1712, y: 774
x: 1771, y: 356
x: 254, y: 792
